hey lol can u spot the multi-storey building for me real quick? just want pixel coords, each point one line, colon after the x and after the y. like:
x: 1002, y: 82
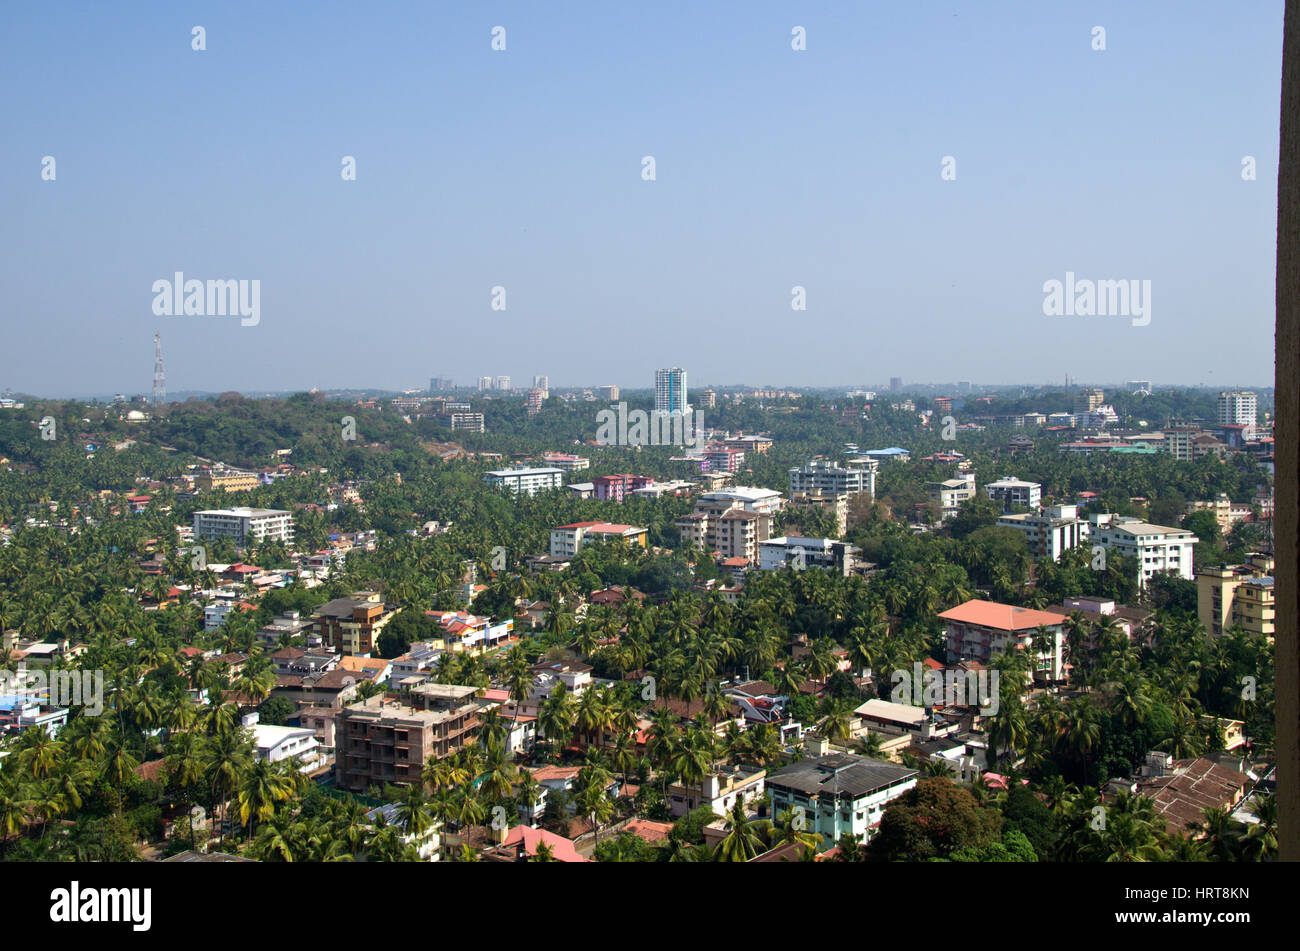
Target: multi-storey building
x: 1050, y: 532
x: 1011, y: 492
x: 1178, y: 441
x: 544, y: 384
x: 823, y: 475
x: 227, y: 480
x: 951, y: 493
x: 708, y: 399
x: 732, y: 522
x: 462, y: 631
x: 1156, y: 548
x: 1238, y: 408
x: 387, y: 740
x: 839, y: 794
x: 352, y: 625
x: 979, y: 630
x: 1087, y: 400
x: 614, y: 488
x: 526, y: 480
x: 749, y: 498
x: 535, y: 397
x: 732, y: 532
x: 1221, y: 508
x: 1237, y: 596
x: 565, y: 462
x: 567, y: 540
x: 797, y: 552
x: 833, y: 503
x: 609, y: 392
x: 670, y: 390
x: 461, y: 421
x: 722, y: 459
x: 244, y: 525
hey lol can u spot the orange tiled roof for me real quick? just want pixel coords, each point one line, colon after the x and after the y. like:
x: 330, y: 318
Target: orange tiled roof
x: 1002, y: 617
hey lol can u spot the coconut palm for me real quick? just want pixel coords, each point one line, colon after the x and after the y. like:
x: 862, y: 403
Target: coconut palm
x: 743, y: 838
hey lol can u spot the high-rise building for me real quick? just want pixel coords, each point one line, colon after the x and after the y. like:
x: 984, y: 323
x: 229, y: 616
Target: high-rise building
x: 1087, y: 400
x: 607, y: 392
x: 670, y: 391
x: 535, y: 397
x: 708, y: 399
x: 895, y: 383
x: 1237, y: 408
x: 1138, y: 386
x: 544, y: 384
x: 484, y: 383
x: 439, y: 383
x: 502, y: 383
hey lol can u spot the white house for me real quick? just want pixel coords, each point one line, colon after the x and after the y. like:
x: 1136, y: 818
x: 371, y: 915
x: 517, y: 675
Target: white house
x: 276, y: 743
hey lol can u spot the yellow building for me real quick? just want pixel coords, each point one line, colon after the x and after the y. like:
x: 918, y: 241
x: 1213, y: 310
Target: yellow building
x: 1220, y: 508
x: 229, y: 480
x: 1237, y: 596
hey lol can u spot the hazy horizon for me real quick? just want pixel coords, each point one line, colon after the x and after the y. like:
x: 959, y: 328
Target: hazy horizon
x: 522, y: 168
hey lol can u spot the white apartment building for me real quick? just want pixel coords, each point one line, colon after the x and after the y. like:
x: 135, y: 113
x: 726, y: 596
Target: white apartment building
x: 1238, y: 408
x: 951, y: 493
x: 244, y: 524
x: 799, y: 553
x: 526, y: 480
x: 747, y: 498
x: 1011, y: 492
x: 1157, y: 548
x: 823, y: 475
x: 1050, y: 532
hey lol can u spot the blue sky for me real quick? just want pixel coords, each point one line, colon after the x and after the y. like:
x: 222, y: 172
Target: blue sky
x: 522, y: 168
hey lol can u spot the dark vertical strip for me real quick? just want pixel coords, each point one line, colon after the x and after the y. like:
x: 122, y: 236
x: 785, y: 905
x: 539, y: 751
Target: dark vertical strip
x: 1287, y: 446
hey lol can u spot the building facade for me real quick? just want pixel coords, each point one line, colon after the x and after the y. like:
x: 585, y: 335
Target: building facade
x: 529, y: 481
x: 244, y: 525
x: 670, y: 390
x: 1011, y: 492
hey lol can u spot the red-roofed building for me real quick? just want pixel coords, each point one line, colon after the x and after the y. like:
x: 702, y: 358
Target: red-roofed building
x: 521, y: 844
x: 978, y: 630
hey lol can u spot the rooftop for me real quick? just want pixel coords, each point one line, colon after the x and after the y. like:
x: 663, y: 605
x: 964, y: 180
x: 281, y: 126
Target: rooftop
x: 1002, y: 617
x: 838, y: 773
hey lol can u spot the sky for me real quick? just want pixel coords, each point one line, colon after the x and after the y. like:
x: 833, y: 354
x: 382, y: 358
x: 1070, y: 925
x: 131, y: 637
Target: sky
x: 774, y: 168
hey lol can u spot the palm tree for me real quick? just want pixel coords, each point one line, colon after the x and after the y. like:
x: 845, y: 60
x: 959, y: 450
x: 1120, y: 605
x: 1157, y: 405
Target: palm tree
x: 227, y: 760
x: 265, y: 785
x: 743, y: 838
x: 837, y: 722
x: 415, y: 812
